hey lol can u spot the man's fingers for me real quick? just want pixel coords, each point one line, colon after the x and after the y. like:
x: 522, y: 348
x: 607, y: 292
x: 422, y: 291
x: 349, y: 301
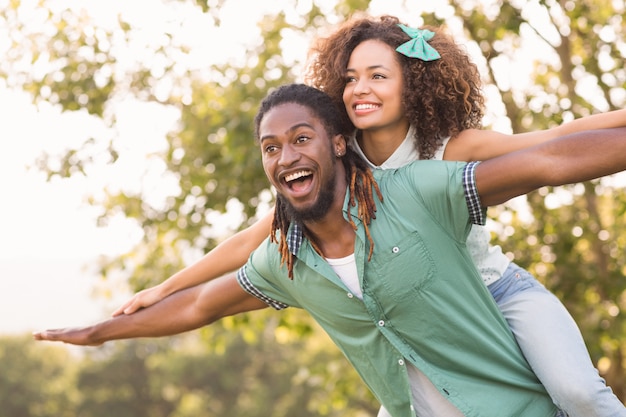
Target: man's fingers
x: 69, y: 335
x: 46, y: 335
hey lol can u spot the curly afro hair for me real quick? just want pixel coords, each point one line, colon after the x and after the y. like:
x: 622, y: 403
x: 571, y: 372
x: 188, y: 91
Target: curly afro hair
x: 441, y: 98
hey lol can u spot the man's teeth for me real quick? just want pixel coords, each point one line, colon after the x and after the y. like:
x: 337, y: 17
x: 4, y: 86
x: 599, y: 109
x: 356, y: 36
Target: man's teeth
x: 296, y: 175
x: 365, y: 106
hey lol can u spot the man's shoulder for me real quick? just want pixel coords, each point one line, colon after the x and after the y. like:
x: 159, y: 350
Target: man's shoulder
x: 266, y: 252
x: 415, y: 169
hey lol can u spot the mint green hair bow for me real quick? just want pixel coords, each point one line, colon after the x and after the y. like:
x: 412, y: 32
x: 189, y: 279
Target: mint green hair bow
x: 417, y: 47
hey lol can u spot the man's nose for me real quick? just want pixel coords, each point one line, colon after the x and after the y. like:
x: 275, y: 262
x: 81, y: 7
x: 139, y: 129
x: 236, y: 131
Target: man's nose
x: 288, y: 155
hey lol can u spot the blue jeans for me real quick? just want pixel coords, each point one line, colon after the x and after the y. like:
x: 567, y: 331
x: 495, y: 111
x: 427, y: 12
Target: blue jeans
x: 553, y: 346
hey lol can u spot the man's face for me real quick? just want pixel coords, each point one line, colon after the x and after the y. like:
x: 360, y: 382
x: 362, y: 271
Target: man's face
x: 299, y: 160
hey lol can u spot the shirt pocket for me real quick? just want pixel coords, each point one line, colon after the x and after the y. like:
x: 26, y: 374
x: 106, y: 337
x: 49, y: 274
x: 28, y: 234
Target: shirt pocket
x: 404, y: 268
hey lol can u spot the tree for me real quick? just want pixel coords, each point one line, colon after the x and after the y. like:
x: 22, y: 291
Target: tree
x: 577, y: 69
x: 35, y: 381
x: 179, y: 377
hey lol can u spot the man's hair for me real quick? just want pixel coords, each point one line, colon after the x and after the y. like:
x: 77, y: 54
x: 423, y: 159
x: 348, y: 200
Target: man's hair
x: 318, y: 102
x: 358, y: 175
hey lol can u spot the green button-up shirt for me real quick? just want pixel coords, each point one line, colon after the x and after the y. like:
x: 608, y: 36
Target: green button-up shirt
x: 423, y: 299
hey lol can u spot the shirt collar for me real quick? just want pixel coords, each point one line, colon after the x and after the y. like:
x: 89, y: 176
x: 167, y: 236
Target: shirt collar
x: 404, y: 154
x: 295, y: 235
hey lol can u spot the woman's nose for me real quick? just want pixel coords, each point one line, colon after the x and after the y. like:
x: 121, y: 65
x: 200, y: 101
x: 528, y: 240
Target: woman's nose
x: 361, y: 87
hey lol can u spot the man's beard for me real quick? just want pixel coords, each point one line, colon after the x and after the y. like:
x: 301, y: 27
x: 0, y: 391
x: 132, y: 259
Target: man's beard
x: 318, y: 210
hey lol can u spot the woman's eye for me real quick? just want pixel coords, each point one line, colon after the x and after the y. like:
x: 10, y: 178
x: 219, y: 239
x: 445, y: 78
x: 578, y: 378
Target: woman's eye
x: 350, y: 80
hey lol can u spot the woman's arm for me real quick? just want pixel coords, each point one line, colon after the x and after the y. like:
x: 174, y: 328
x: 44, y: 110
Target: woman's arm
x: 480, y: 145
x: 226, y: 257
x: 185, y: 310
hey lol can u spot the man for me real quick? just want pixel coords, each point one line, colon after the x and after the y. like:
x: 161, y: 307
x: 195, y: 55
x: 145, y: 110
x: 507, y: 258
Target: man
x: 388, y: 278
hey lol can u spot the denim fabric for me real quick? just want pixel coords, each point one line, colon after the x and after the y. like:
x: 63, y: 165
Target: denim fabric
x: 553, y: 346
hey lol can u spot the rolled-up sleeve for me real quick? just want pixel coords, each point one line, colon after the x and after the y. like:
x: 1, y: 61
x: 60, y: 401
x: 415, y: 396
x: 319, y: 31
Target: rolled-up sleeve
x: 478, y: 214
x: 250, y: 288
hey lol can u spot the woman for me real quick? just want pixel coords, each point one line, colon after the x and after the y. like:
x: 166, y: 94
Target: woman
x: 424, y: 106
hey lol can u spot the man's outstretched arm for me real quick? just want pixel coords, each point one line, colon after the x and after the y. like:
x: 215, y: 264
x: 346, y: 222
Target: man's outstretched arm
x: 572, y: 158
x: 182, y: 311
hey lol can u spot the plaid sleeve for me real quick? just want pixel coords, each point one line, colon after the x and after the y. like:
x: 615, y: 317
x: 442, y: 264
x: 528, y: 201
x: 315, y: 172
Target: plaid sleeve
x: 249, y: 287
x: 478, y: 214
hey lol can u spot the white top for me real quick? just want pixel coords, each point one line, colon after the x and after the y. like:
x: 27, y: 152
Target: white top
x: 489, y: 259
x: 345, y: 268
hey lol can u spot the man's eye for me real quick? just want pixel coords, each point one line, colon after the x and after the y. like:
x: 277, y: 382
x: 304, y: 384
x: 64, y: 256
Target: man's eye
x: 270, y: 148
x: 302, y: 138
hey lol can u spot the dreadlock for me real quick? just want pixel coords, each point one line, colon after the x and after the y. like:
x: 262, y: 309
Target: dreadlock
x: 358, y: 175
x: 362, y: 183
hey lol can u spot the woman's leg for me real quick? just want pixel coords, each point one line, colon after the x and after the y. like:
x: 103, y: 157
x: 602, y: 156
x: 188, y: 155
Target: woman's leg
x: 553, y: 346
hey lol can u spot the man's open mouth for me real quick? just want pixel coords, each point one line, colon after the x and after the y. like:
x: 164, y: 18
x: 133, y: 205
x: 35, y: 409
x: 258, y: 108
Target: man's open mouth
x: 298, y: 180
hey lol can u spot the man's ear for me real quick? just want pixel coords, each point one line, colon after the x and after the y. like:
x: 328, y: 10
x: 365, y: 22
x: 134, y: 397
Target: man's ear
x: 339, y: 145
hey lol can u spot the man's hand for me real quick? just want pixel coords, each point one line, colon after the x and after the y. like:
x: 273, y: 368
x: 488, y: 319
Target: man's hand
x: 182, y: 311
x: 73, y: 335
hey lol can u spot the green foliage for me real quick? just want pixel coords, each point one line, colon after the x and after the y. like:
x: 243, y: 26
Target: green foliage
x: 182, y: 377
x: 575, y: 248
x: 76, y: 56
x: 35, y: 381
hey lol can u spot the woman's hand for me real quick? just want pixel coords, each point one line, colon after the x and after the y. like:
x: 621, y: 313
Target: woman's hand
x: 142, y: 299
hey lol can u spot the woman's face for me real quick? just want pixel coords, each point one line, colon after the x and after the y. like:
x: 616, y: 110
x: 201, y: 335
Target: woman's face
x: 373, y: 90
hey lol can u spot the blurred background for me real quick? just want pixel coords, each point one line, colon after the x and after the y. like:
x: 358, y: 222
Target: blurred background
x: 127, y: 129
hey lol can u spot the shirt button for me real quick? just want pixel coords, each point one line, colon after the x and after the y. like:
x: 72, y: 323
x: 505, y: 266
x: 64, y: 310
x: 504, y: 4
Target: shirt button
x: 350, y: 295
x: 381, y: 323
x: 401, y: 362
x: 395, y: 249
x: 412, y: 408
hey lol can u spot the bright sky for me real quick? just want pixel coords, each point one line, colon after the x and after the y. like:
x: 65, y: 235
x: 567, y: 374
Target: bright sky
x: 48, y: 235
x: 48, y: 239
